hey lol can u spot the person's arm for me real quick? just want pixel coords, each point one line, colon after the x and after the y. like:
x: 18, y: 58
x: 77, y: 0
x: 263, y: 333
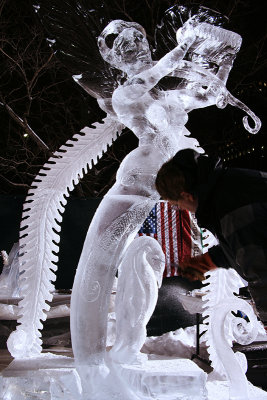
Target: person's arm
x: 245, y: 232
x: 218, y: 256
x: 194, y: 268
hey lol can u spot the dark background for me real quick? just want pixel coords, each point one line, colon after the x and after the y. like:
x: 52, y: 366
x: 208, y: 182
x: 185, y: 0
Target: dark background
x: 37, y: 93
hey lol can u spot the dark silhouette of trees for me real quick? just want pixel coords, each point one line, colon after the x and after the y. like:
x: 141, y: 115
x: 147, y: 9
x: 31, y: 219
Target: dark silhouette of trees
x: 41, y: 106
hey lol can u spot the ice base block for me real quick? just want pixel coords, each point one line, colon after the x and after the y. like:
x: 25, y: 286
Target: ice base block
x: 166, y: 378
x: 53, y: 377
x: 43, y: 378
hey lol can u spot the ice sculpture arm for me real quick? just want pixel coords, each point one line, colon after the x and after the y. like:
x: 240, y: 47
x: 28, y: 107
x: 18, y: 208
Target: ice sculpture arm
x: 143, y: 82
x: 248, y: 241
x: 244, y: 242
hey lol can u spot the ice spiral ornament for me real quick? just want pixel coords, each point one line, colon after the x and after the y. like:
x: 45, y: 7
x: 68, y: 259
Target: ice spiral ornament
x: 223, y: 328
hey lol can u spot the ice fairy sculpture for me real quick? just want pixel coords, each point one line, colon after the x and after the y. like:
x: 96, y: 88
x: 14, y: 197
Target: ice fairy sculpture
x: 132, y: 96
x: 223, y: 328
x: 140, y: 277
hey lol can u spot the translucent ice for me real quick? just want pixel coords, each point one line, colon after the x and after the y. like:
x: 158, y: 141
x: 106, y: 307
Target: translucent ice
x: 9, y: 279
x: 140, y: 277
x: 202, y: 58
x: 223, y: 328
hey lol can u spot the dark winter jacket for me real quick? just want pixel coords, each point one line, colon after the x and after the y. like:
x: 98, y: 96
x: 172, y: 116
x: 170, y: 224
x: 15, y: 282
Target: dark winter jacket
x: 232, y: 204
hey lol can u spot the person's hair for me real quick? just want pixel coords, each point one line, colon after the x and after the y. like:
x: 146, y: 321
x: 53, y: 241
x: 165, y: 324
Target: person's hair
x: 170, y: 181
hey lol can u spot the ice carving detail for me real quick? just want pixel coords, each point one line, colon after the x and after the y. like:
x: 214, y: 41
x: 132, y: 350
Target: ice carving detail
x: 40, y: 228
x: 223, y: 328
x: 140, y: 276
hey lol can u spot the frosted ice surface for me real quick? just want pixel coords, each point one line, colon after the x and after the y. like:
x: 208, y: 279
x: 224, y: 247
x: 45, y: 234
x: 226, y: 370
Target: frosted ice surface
x: 219, y: 390
x: 166, y: 379
x: 46, y: 378
x: 223, y: 328
x: 9, y: 278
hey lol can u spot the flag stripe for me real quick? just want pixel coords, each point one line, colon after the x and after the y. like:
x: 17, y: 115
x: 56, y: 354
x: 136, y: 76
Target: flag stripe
x: 175, y: 245
x: 186, y: 234
x: 196, y: 237
x: 177, y: 233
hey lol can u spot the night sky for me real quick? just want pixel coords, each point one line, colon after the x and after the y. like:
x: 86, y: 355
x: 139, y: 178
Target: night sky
x: 38, y: 92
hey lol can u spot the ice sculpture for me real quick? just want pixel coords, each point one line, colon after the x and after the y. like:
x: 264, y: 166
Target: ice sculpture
x: 157, y: 117
x: 9, y: 278
x: 140, y: 276
x: 224, y: 328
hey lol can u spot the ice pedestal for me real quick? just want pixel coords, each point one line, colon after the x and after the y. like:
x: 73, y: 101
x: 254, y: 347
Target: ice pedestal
x: 45, y: 378
x: 161, y: 378
x: 55, y: 378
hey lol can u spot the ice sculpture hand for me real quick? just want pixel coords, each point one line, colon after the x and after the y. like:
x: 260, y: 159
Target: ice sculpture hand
x: 187, y: 31
x: 137, y: 293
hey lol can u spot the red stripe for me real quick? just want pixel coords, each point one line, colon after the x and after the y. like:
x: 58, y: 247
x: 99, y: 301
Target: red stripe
x: 171, y: 261
x: 162, y: 225
x: 179, y: 236
x: 186, y: 237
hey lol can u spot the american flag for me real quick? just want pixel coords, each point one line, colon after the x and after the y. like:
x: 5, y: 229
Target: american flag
x: 177, y: 232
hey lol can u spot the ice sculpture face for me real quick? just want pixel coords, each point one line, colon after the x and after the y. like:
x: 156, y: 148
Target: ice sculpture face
x: 123, y: 43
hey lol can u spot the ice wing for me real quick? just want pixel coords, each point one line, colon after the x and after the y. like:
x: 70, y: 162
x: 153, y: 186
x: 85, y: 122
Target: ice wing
x: 39, y: 240
x: 72, y: 29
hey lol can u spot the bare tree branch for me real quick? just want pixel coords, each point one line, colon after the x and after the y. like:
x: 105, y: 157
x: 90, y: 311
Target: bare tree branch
x: 24, y: 124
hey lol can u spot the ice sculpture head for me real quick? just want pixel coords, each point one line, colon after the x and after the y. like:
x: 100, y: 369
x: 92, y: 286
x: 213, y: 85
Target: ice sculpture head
x: 124, y: 43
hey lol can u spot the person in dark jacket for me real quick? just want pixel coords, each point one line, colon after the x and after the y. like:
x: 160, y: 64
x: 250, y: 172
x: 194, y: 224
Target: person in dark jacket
x: 232, y: 204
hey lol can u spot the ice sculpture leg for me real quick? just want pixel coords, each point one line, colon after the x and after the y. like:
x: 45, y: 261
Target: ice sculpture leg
x: 140, y: 277
x: 114, y: 226
x: 104, y: 247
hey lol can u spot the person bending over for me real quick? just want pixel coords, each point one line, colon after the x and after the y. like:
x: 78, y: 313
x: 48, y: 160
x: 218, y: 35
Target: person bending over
x: 232, y: 204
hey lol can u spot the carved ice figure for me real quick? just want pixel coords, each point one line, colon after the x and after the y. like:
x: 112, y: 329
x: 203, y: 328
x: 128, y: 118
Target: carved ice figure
x: 223, y: 327
x: 9, y: 278
x: 140, y: 277
x: 157, y: 117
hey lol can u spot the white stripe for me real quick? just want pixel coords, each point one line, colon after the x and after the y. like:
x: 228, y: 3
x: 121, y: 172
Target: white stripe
x: 174, y: 238
x: 158, y: 224
x: 196, y: 242
x: 167, y: 243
